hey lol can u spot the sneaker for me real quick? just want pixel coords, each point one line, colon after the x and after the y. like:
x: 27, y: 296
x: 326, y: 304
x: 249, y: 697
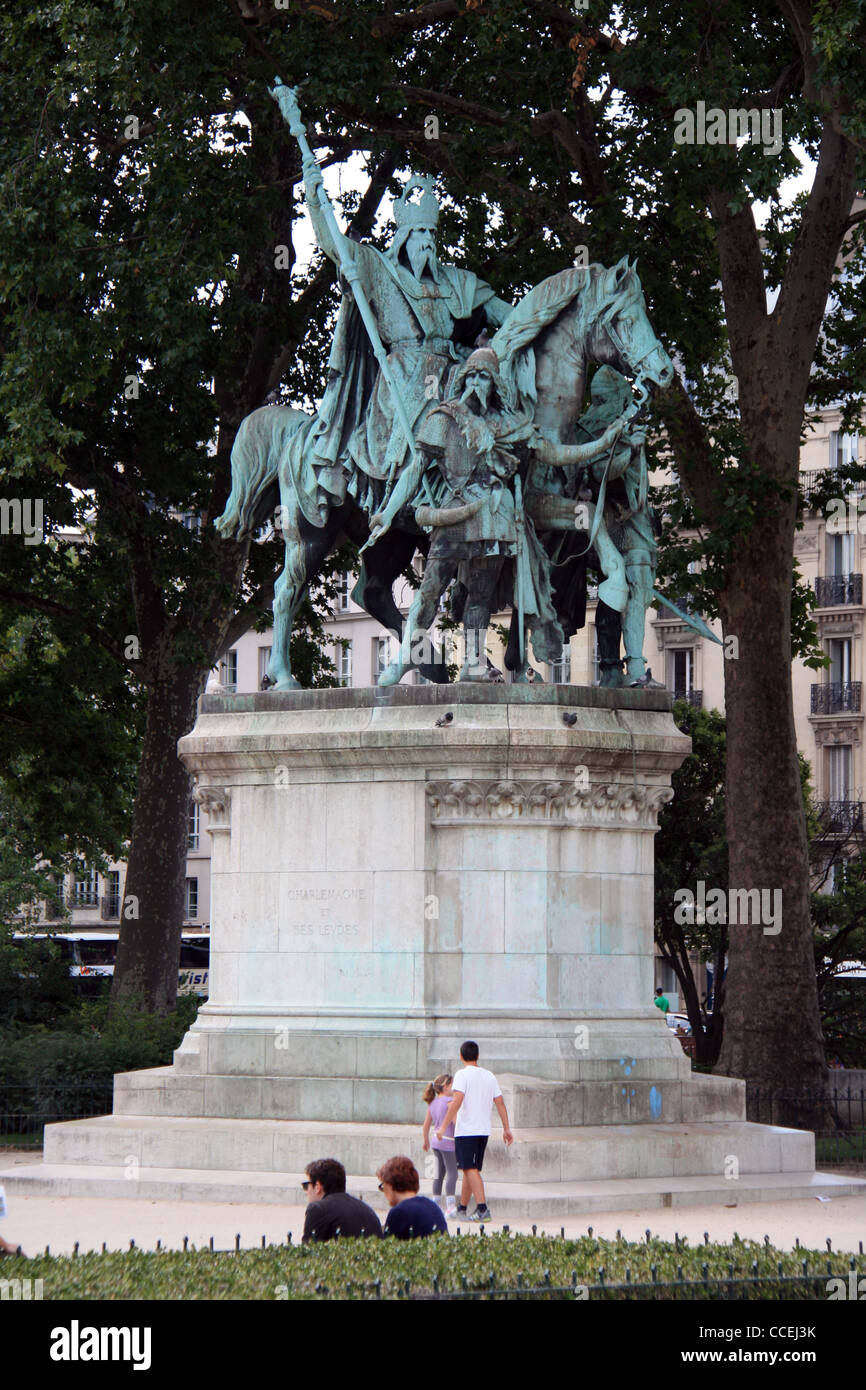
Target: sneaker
x: 480, y: 1214
x: 451, y: 1211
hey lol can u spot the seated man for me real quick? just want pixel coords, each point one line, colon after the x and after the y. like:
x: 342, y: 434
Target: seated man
x: 331, y: 1211
x: 410, y: 1214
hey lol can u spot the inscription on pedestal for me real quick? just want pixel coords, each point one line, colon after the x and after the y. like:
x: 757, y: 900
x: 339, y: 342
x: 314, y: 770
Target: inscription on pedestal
x: 326, y: 912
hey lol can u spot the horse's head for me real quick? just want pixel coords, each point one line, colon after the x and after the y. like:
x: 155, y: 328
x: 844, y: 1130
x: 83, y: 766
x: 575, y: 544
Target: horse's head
x: 620, y: 333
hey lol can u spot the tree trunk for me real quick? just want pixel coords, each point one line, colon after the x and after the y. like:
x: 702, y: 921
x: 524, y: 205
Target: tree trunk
x: 772, y: 1024
x: 153, y: 902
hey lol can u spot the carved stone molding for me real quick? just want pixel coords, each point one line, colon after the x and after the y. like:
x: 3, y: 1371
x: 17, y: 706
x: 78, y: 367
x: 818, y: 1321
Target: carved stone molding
x: 217, y: 802
x: 806, y: 543
x: 671, y: 633
x: 826, y: 733
x: 846, y: 624
x: 550, y: 803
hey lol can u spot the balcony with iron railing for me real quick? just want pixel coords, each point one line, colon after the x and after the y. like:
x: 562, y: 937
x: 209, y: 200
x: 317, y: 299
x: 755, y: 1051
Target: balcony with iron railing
x: 693, y: 697
x: 109, y: 907
x: 823, y: 478
x: 836, y: 590
x: 840, y: 817
x: 837, y: 697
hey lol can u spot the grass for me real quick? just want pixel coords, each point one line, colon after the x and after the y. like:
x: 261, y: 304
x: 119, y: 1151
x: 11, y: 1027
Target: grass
x: 354, y: 1268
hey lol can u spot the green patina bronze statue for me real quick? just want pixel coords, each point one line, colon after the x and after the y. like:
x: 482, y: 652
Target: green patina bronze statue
x: 483, y: 461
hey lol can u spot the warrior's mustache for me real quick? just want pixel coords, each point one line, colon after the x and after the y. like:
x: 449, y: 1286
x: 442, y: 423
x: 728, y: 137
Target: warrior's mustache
x: 421, y: 260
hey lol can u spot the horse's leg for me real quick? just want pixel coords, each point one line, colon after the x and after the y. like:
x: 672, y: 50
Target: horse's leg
x: 437, y: 577
x: 384, y: 562
x: 287, y: 594
x: 306, y: 547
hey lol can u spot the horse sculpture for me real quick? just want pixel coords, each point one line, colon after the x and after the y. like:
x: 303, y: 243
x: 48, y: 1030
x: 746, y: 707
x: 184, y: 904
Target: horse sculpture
x: 581, y: 316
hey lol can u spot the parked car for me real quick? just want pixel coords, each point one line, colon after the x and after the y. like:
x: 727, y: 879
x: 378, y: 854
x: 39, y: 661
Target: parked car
x: 678, y: 1021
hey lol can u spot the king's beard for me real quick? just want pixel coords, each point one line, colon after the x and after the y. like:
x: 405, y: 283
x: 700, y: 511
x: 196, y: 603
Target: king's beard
x: 423, y: 261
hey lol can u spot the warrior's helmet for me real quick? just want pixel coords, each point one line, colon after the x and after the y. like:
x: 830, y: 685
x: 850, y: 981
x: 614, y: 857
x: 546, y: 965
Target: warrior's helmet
x: 483, y: 359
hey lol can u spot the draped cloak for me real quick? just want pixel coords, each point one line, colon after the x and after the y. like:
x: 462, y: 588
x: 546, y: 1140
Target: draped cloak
x: 355, y: 440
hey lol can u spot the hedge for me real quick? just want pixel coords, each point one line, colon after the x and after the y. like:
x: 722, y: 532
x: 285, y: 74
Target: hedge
x: 465, y: 1266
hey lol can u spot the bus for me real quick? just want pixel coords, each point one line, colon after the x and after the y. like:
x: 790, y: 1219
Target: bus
x: 92, y: 955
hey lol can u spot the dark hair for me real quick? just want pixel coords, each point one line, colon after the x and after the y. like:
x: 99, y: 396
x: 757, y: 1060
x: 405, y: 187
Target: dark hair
x: 330, y: 1173
x: 401, y: 1174
x: 469, y: 1052
x: 659, y: 989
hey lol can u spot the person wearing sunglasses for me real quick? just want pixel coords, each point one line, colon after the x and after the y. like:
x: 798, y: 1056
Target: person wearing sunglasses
x: 331, y: 1212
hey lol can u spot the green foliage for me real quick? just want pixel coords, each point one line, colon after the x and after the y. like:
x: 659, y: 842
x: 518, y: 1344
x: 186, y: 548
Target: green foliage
x: 66, y: 1069
x: 691, y: 843
x: 390, y: 1269
x: 840, y: 936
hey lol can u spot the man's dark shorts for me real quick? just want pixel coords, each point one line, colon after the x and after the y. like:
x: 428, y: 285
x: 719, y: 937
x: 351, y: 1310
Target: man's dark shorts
x: 469, y: 1150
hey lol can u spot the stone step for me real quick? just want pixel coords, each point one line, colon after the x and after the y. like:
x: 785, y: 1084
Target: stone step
x: 552, y: 1202
x: 553, y: 1154
x: 532, y: 1103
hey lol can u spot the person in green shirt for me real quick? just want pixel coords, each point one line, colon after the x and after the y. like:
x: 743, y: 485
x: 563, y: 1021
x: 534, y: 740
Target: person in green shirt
x: 662, y: 1002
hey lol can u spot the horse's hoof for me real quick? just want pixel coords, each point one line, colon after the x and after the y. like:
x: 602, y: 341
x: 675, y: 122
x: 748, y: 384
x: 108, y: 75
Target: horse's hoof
x: 286, y: 683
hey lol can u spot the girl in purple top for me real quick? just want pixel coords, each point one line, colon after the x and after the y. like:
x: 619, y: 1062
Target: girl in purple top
x: 438, y: 1097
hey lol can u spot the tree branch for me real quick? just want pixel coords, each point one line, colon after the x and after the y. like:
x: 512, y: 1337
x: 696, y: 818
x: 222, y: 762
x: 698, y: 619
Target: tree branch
x: 59, y: 610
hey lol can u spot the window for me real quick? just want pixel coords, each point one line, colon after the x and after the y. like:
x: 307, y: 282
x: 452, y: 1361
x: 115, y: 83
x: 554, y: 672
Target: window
x: 86, y: 890
x: 596, y: 659
x: 190, y: 910
x: 194, y: 825
x: 839, y: 772
x: 840, y: 660
x: 560, y: 671
x: 343, y: 600
x: 681, y: 670
x: 111, y: 901
x: 264, y: 663
x: 843, y: 449
x: 344, y: 662
x: 381, y: 654
x: 191, y: 521
x: 667, y: 977
x: 229, y: 672
x: 840, y: 553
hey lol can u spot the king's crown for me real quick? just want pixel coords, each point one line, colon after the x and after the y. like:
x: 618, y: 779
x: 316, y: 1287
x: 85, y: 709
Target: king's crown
x: 424, y: 213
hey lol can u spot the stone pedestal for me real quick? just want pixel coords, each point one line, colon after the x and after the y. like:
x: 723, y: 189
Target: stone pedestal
x: 397, y: 871
x: 394, y: 871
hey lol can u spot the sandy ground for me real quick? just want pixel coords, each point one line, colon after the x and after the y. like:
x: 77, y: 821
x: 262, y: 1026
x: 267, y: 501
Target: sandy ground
x: 59, y: 1222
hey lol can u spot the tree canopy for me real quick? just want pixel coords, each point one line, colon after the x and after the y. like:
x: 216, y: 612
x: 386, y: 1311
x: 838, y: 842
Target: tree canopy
x: 146, y: 185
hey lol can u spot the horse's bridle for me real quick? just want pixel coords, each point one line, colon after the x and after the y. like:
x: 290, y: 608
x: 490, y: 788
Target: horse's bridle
x: 605, y: 322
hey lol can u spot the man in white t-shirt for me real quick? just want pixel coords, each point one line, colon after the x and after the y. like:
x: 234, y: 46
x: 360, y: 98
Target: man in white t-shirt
x: 474, y: 1090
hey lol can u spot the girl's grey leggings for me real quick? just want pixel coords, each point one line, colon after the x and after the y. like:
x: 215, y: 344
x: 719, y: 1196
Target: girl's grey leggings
x: 447, y: 1169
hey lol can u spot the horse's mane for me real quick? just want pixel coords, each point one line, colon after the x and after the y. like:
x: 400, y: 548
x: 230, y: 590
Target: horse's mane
x: 513, y: 342
x: 540, y: 307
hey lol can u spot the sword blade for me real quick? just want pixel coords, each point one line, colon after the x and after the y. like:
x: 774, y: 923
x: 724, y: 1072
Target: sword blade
x: 690, y: 619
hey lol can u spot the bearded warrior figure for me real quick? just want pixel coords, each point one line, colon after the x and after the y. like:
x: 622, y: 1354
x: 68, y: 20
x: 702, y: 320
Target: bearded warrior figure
x: 428, y: 314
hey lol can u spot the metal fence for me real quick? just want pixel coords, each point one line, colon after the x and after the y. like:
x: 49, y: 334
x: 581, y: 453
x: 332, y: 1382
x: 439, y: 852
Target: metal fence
x: 737, y: 1285
x: 26, y: 1108
x: 836, y: 1118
